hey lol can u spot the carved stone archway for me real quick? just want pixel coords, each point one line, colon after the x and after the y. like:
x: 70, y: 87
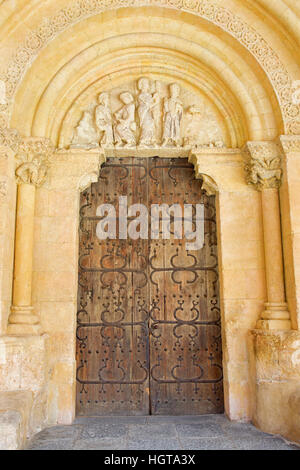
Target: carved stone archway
x: 250, y: 88
x: 55, y: 281
x: 243, y: 287
x: 208, y: 10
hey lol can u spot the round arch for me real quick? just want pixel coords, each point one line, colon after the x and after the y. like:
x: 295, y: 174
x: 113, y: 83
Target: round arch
x: 70, y: 58
x: 280, y: 75
x: 202, y: 57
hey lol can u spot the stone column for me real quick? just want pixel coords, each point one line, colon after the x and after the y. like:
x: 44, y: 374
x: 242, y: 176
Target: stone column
x: 289, y: 199
x: 32, y: 165
x: 264, y: 172
x: 9, y: 143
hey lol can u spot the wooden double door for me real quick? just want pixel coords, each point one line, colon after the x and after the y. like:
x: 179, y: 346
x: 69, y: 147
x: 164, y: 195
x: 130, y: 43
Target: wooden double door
x: 148, y: 321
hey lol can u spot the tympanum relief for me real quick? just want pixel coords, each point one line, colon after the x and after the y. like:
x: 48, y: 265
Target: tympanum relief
x: 147, y: 114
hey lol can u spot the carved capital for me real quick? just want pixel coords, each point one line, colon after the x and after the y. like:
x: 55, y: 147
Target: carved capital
x: 290, y: 143
x: 10, y: 138
x: 33, y: 160
x: 263, y: 165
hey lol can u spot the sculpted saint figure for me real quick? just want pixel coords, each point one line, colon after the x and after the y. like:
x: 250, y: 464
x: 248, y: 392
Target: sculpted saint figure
x: 103, y: 120
x: 125, y: 126
x: 157, y: 110
x: 145, y: 112
x: 85, y: 135
x: 173, y: 111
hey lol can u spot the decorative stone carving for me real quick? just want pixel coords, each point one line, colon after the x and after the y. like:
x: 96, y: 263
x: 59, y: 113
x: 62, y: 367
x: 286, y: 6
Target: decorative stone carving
x: 85, y: 135
x: 146, y: 105
x: 290, y: 143
x: 153, y: 115
x: 216, y: 14
x: 296, y: 92
x: 33, y: 160
x: 33, y: 172
x: 125, y: 126
x: 10, y: 138
x: 157, y: 110
x: 263, y: 168
x: 199, y: 135
x: 173, y: 111
x: 103, y: 120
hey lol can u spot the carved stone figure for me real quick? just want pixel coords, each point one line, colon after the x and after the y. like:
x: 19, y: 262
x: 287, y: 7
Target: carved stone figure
x: 173, y: 111
x: 125, y: 126
x: 103, y: 120
x: 154, y: 116
x: 85, y: 135
x: 202, y: 129
x: 145, y: 112
x: 157, y: 110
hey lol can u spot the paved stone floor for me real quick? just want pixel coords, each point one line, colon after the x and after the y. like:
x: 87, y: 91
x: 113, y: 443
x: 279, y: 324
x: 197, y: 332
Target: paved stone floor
x: 209, y: 432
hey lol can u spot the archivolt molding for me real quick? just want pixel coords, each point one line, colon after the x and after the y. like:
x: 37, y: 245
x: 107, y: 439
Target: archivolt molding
x: 290, y: 143
x: 208, y: 10
x: 10, y: 138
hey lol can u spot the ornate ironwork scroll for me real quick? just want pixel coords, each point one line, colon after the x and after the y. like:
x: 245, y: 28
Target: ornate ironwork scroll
x: 148, y: 321
x: 185, y: 330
